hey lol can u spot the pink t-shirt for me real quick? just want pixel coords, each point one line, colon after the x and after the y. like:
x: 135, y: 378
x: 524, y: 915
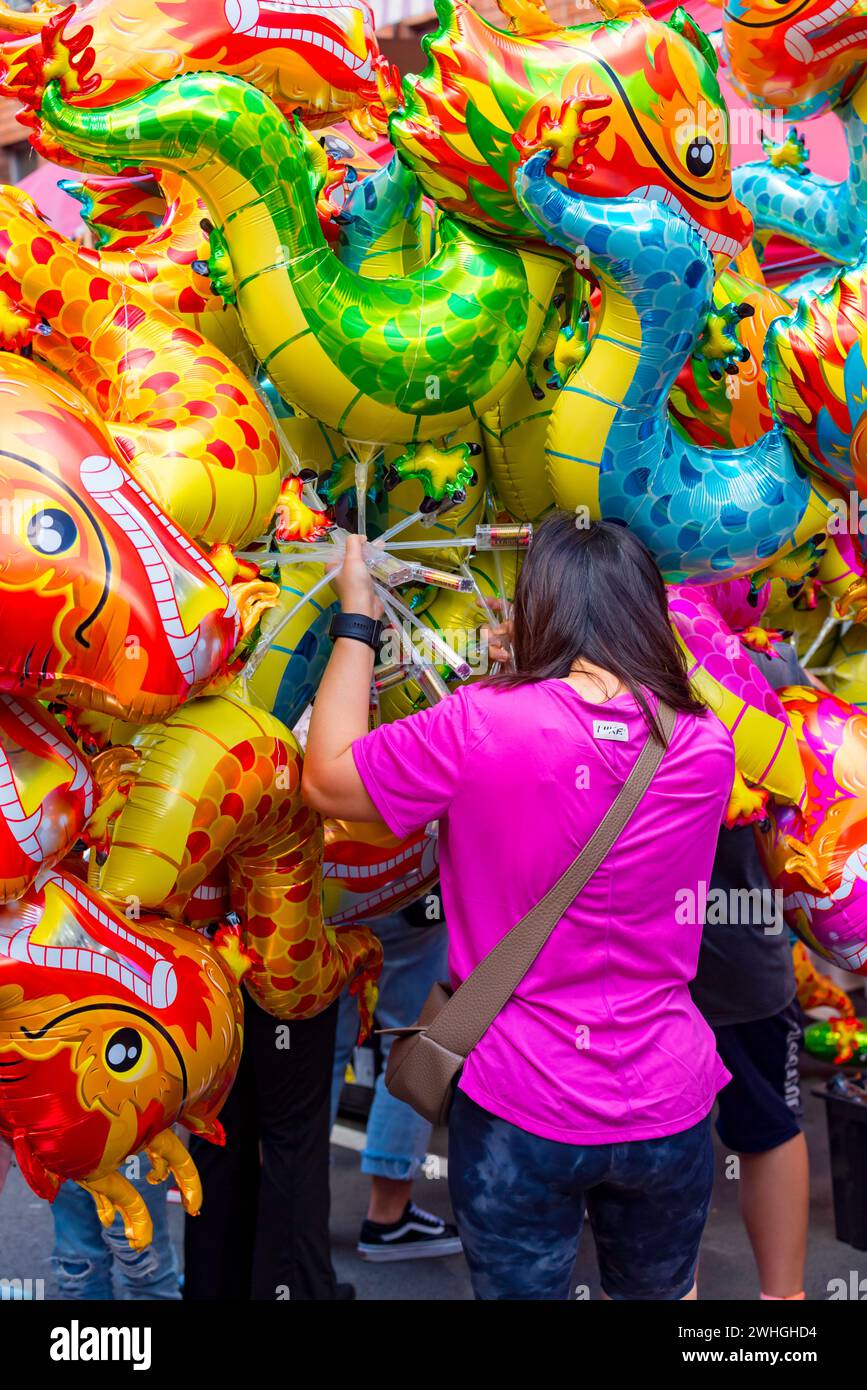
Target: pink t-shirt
x: 601, y: 1042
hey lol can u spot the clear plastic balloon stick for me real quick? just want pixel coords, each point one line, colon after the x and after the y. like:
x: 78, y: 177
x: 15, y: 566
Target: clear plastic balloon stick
x: 823, y: 634
x: 447, y: 655
x: 313, y: 555
x: 361, y: 495
x: 268, y: 639
x: 423, y: 672
x: 399, y: 526
x: 481, y: 598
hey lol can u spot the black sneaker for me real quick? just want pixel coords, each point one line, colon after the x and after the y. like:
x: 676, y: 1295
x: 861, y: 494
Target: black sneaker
x: 418, y: 1235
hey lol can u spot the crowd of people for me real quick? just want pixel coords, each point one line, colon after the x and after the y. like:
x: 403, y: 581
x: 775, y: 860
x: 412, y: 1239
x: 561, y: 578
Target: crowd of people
x: 593, y: 1092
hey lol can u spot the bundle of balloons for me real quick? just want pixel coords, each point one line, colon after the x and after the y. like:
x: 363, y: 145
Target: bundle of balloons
x: 317, y: 297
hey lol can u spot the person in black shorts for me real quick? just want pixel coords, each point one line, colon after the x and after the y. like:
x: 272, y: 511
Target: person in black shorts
x: 745, y: 987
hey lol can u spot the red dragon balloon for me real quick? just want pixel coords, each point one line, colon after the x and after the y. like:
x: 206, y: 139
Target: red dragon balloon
x: 318, y: 59
x: 817, y: 856
x: 103, y: 601
x: 110, y: 1031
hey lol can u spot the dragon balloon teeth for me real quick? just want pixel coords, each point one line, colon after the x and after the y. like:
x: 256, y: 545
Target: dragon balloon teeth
x: 717, y: 243
x: 802, y: 56
x: 73, y: 934
x: 46, y: 795
x: 177, y: 604
x: 375, y: 877
x: 338, y: 30
x: 321, y: 58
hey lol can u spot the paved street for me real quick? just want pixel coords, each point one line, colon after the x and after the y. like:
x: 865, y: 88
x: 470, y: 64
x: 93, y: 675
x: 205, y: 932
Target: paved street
x: 726, y: 1271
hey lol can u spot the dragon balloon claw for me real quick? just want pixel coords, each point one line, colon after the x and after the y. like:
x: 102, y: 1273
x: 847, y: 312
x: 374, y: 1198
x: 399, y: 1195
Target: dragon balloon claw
x: 853, y: 604
x: 168, y: 1155
x: 620, y: 9
x: 113, y: 774
x: 443, y: 473
x: 18, y: 325
x: 719, y: 346
x: 746, y: 804
x: 295, y: 520
x: 115, y: 1195
x: 230, y: 948
x: 568, y: 135
x: 791, y: 153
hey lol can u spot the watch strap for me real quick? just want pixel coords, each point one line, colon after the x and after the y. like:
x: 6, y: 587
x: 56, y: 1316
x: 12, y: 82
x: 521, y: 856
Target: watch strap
x: 359, y: 627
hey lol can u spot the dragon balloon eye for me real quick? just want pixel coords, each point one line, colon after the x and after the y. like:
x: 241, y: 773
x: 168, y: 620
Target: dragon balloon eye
x: 700, y: 156
x: 124, y: 1050
x: 51, y: 531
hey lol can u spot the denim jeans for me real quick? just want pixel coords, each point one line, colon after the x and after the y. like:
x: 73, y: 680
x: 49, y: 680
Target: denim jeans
x: 414, y: 959
x: 87, y: 1255
x: 519, y: 1201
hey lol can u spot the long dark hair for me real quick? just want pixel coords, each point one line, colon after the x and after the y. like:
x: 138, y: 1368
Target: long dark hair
x: 594, y: 593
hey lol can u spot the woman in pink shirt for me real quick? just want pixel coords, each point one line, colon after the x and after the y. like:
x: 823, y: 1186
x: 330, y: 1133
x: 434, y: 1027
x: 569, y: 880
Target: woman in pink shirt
x: 594, y: 1085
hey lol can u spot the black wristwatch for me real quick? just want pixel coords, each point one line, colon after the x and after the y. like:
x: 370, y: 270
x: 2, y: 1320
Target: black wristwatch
x: 359, y: 627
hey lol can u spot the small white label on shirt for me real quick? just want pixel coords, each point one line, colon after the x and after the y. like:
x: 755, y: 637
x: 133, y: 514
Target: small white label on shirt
x: 611, y: 731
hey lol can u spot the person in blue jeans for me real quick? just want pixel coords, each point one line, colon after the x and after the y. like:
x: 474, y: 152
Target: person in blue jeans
x: 415, y: 957
x: 94, y: 1263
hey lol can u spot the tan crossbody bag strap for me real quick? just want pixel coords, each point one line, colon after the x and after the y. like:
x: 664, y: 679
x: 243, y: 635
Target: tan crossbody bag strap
x: 475, y: 1004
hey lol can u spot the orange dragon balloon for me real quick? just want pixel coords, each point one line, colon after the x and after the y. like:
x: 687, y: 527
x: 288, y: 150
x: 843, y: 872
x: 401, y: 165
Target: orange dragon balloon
x: 220, y: 781
x: 110, y: 1032
x: 149, y: 235
x: 194, y: 430
x: 320, y: 60
x: 104, y: 603
x: 816, y: 855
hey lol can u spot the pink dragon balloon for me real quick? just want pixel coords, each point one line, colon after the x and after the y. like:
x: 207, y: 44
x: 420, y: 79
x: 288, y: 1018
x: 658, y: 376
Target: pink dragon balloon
x: 817, y: 856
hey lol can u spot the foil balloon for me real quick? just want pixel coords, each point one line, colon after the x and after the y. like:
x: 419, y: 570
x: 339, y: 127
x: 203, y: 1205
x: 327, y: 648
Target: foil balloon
x: 368, y: 873
x: 797, y: 57
x: 103, y: 601
x: 111, y: 1031
x: 612, y: 451
x: 149, y: 235
x: 405, y: 359
x: 46, y: 794
x: 515, y: 429
x: 320, y: 59
x: 815, y: 855
x: 194, y: 430
x: 720, y: 398
x: 815, y: 363
x: 614, y: 98
x: 221, y: 784
x: 839, y: 1040
x: 802, y: 58
x: 722, y: 675
x: 815, y: 990
x: 849, y: 661
x: 295, y: 645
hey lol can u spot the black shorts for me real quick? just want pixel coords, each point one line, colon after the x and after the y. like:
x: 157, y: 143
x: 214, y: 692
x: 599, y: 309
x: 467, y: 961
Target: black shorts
x: 760, y: 1108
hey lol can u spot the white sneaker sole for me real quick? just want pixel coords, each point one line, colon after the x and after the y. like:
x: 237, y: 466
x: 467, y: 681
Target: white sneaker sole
x: 427, y: 1251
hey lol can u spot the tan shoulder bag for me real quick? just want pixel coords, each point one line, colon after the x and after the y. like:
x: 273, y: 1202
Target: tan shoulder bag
x: 426, y: 1060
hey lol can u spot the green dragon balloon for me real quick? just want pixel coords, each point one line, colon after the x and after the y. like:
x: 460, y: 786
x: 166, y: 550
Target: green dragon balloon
x: 417, y: 356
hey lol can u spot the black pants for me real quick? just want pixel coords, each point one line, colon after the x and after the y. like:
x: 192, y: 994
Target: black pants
x: 263, y: 1230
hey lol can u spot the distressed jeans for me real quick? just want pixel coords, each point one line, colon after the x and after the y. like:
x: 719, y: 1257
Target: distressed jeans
x: 91, y: 1262
x: 415, y: 958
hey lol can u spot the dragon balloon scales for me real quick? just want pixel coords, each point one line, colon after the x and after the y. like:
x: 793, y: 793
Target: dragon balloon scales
x: 522, y: 307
